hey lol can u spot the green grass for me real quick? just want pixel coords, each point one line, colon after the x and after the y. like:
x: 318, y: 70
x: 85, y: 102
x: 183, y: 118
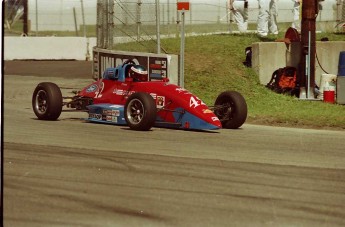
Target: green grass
x: 214, y: 64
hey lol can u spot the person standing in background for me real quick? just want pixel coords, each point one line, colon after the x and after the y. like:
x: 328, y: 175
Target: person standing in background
x: 239, y: 8
x: 267, y: 19
x: 296, y: 23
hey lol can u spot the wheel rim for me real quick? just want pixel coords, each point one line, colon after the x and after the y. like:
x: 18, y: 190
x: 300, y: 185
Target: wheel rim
x: 225, y: 111
x: 41, y: 102
x: 135, y: 111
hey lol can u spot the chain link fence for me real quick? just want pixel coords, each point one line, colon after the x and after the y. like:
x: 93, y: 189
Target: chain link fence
x: 136, y: 19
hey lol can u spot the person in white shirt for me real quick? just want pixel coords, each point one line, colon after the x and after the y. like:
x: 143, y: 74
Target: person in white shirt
x: 267, y: 19
x: 296, y: 23
x: 239, y: 8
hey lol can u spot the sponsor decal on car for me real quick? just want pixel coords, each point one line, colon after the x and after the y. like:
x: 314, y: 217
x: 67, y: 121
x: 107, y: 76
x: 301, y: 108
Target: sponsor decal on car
x: 206, y: 111
x: 160, y: 102
x: 112, y: 119
x: 116, y: 106
x: 122, y: 92
x: 92, y: 88
x: 118, y: 91
x: 110, y: 112
x: 153, y: 95
x: 182, y: 90
x: 215, y: 119
x: 105, y: 112
x: 115, y: 113
x: 96, y: 116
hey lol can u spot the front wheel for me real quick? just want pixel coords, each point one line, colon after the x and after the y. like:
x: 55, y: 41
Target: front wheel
x: 231, y: 109
x: 140, y: 111
x: 47, y: 101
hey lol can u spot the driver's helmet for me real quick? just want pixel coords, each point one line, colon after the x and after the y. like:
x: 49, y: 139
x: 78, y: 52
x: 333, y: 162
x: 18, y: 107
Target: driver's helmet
x: 138, y: 73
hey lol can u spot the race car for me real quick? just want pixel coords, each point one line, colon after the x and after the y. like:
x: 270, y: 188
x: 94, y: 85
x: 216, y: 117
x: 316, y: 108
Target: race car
x: 125, y: 95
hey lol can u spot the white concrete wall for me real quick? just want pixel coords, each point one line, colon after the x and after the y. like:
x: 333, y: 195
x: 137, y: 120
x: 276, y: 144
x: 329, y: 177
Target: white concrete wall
x: 269, y: 56
x: 53, y: 48
x: 43, y: 48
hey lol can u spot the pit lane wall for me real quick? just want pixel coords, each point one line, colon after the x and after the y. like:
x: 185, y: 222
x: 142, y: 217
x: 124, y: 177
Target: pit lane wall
x: 159, y: 66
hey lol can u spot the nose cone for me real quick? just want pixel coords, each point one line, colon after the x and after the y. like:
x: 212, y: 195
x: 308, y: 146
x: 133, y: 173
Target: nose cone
x: 207, y: 121
x: 217, y: 123
x: 214, y: 123
x: 211, y: 118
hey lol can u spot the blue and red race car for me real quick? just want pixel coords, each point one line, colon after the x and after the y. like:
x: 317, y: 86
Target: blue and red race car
x: 126, y: 96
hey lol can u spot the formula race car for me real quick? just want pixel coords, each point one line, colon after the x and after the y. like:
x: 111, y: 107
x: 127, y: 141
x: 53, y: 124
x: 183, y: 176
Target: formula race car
x: 126, y: 96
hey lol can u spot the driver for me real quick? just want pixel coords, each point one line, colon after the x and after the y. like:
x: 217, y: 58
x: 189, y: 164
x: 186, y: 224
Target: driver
x: 138, y: 73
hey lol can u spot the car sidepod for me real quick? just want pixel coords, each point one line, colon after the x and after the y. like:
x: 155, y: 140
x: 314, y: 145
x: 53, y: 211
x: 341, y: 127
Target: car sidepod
x: 107, y: 113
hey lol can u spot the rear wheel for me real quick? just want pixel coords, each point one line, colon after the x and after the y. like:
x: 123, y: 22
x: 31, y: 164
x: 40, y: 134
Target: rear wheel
x: 47, y: 101
x: 140, y: 111
x: 231, y: 109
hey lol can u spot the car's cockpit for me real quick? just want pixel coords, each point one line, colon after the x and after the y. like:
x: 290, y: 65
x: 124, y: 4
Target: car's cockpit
x: 137, y: 73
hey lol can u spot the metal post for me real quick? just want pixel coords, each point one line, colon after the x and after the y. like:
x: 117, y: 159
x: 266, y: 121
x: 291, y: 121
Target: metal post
x: 218, y: 17
x: 191, y: 18
x: 83, y: 16
x: 178, y: 20
x: 36, y: 9
x: 106, y: 28
x: 111, y: 24
x: 182, y: 50
x: 229, y: 16
x: 308, y: 27
x: 99, y: 23
x: 138, y: 19
x: 157, y: 27
x: 308, y: 69
x: 75, y: 22
x: 25, y: 18
x: 168, y: 16
x: 168, y: 12
x: 87, y: 55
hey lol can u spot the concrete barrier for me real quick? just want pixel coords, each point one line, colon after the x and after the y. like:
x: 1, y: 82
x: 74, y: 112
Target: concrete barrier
x: 48, y: 48
x: 269, y: 56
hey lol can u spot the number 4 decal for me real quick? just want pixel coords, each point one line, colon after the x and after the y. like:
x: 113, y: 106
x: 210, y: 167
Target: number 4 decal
x: 194, y: 102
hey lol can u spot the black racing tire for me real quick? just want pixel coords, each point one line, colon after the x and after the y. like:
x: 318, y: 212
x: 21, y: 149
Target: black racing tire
x: 231, y: 109
x: 140, y: 111
x: 47, y: 101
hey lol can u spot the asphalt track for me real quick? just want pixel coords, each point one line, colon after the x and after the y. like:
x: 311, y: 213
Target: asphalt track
x: 73, y: 173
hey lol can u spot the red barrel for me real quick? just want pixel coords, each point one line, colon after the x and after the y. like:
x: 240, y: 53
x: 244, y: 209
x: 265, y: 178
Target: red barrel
x: 329, y: 95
